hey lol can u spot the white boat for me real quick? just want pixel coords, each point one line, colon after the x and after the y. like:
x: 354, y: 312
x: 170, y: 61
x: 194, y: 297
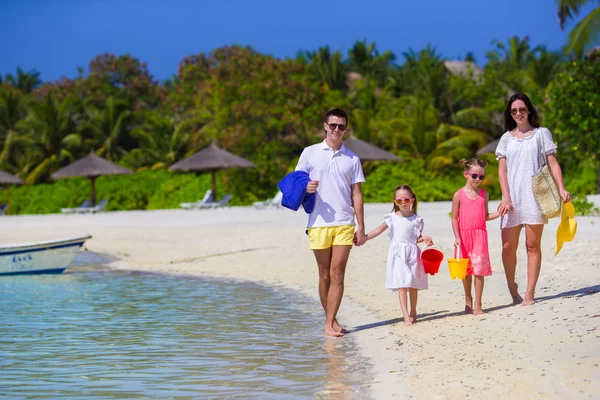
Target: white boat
x: 48, y: 257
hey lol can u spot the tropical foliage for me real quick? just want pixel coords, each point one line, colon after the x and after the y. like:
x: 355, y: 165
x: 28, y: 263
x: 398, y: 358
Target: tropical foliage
x: 266, y: 109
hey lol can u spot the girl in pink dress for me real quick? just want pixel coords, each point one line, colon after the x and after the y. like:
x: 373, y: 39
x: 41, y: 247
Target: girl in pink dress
x: 469, y: 216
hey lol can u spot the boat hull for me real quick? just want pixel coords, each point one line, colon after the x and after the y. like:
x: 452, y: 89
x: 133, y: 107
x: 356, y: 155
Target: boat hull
x: 50, y: 257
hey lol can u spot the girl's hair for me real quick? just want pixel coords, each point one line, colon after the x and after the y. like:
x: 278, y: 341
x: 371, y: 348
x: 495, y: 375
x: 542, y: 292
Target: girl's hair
x: 532, y: 116
x: 413, y: 195
x: 472, y: 162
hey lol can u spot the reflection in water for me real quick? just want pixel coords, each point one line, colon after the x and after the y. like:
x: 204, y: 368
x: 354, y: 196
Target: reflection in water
x: 126, y: 335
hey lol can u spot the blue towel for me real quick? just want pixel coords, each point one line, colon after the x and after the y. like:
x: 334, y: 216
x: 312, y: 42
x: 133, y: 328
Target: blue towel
x: 293, y: 188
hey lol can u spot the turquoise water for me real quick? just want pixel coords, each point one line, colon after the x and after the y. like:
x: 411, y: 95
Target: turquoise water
x: 111, y: 334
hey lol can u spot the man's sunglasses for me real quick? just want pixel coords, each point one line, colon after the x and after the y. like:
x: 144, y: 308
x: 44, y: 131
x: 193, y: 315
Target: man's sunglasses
x: 475, y: 176
x: 522, y: 110
x: 341, y: 127
x: 403, y: 200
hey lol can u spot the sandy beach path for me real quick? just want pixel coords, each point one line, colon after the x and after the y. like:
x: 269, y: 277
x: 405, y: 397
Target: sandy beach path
x: 550, y: 350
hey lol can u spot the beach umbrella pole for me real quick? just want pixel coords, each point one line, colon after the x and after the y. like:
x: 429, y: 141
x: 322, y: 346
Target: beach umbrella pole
x: 93, y: 191
x: 8, y: 200
x: 214, y: 184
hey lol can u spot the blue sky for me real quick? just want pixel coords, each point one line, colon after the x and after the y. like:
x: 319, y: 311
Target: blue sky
x: 55, y: 37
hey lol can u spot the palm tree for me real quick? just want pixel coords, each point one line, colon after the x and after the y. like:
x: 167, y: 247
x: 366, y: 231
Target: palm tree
x: 515, y: 53
x: 14, y: 145
x: 51, y: 125
x: 162, y: 142
x: 455, y: 143
x: 424, y: 73
x: 365, y: 59
x: 544, y: 66
x: 24, y: 81
x: 585, y: 32
x: 109, y: 128
x: 326, y: 66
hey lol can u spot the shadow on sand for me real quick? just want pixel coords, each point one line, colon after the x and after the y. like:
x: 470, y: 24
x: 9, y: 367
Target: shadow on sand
x: 581, y: 292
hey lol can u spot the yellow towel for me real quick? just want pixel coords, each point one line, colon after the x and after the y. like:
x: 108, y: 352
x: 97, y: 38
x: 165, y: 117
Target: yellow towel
x: 568, y: 226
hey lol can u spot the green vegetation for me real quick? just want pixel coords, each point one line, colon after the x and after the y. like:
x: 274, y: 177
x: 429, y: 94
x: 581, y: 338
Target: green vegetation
x: 429, y: 112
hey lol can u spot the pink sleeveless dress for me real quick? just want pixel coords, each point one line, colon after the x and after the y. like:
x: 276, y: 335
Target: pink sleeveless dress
x: 473, y: 234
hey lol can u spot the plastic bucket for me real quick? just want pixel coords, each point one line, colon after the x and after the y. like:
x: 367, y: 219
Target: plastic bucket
x: 432, y: 259
x: 458, y: 266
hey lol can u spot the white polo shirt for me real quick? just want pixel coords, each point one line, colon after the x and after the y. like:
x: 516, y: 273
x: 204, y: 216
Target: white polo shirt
x: 336, y: 172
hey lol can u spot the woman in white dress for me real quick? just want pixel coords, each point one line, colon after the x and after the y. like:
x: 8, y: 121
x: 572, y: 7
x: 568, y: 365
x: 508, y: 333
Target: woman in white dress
x: 405, y: 272
x: 519, y: 159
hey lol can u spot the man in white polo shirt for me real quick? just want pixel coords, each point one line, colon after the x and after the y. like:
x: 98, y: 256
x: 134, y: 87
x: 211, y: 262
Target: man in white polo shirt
x: 336, y: 175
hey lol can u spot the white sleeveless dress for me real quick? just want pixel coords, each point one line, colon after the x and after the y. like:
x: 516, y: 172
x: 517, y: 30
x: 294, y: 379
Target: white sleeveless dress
x: 404, y: 265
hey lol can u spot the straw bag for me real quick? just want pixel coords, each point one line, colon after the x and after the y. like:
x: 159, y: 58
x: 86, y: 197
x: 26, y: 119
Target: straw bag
x: 545, y: 189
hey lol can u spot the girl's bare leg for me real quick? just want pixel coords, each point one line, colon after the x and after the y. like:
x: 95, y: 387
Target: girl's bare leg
x: 467, y: 283
x: 533, y: 240
x: 402, y: 294
x: 479, y: 281
x: 510, y: 242
x: 414, y: 294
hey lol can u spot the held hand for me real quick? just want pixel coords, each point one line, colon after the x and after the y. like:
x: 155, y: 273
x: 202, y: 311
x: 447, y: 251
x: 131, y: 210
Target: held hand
x: 360, y: 238
x: 312, y: 186
x: 457, y: 243
x: 505, y: 207
x: 566, y: 196
x: 427, y: 240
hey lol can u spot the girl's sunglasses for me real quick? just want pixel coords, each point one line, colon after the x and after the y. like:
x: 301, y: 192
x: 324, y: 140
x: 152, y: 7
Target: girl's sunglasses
x: 403, y: 200
x: 522, y: 110
x: 475, y: 176
x: 341, y: 127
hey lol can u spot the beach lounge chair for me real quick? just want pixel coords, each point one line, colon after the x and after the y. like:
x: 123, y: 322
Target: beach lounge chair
x: 92, y: 210
x: 208, y: 198
x: 274, y: 201
x: 85, y: 204
x: 224, y: 202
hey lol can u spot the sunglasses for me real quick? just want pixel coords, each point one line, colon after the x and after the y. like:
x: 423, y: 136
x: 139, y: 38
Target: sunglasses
x: 403, y: 200
x: 475, y: 176
x: 522, y: 110
x: 341, y: 127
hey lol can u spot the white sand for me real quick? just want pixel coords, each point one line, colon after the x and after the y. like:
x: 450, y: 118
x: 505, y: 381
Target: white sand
x: 550, y: 350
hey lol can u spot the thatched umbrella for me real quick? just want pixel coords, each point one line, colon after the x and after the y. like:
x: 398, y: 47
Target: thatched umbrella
x: 367, y: 152
x: 212, y: 159
x: 488, y: 148
x: 8, y: 180
x: 90, y: 166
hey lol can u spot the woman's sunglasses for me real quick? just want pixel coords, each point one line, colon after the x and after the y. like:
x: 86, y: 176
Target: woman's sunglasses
x: 341, y: 127
x: 475, y: 176
x: 522, y: 110
x: 403, y: 200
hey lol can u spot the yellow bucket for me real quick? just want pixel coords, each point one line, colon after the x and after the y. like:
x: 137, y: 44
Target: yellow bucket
x: 458, y: 266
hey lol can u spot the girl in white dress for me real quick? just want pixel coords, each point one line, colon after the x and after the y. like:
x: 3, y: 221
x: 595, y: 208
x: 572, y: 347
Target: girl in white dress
x: 405, y: 272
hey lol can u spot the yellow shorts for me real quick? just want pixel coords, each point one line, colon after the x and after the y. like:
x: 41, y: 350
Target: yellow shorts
x: 324, y: 237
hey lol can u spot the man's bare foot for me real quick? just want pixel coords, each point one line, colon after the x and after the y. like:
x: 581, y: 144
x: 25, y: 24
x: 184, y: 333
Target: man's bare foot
x: 329, y: 331
x: 468, y: 309
x: 338, y: 328
x: 528, y: 302
x: 477, y: 311
x: 408, y: 322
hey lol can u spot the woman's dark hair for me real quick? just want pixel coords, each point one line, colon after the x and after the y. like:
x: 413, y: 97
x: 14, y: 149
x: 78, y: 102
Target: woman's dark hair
x: 532, y: 115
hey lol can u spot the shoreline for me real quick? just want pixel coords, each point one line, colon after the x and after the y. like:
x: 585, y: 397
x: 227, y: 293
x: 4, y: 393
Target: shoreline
x: 374, y: 347
x: 551, y: 349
